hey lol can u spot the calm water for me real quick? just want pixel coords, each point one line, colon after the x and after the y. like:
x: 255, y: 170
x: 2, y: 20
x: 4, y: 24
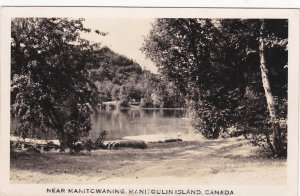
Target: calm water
x: 127, y: 122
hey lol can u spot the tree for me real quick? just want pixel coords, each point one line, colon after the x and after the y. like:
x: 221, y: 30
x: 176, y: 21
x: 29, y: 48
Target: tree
x: 276, y: 146
x: 264, y: 104
x: 189, y: 52
x: 49, y: 86
x: 124, y: 96
x: 216, y: 64
x: 167, y: 95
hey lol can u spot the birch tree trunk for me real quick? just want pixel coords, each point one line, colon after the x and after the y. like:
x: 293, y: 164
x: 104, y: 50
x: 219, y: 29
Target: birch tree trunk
x: 264, y: 75
x: 275, y: 144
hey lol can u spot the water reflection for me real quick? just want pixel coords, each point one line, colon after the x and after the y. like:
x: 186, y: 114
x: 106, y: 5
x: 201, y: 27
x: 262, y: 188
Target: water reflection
x: 126, y: 122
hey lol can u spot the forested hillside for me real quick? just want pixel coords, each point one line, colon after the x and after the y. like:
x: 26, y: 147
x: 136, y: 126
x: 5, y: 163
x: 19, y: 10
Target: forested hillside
x: 119, y: 78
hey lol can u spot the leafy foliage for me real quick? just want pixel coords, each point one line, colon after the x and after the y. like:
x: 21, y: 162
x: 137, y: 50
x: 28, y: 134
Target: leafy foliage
x: 120, y: 78
x: 49, y: 87
x: 189, y: 51
x: 215, y: 63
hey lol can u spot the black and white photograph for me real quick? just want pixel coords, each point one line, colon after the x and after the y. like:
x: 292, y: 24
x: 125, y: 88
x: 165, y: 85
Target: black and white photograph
x: 188, y: 100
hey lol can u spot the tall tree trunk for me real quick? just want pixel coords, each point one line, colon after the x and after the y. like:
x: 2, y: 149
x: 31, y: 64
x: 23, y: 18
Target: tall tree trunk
x: 276, y: 145
x: 264, y: 75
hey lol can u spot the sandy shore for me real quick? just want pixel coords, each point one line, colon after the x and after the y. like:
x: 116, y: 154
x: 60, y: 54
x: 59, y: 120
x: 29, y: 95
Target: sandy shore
x: 194, y: 161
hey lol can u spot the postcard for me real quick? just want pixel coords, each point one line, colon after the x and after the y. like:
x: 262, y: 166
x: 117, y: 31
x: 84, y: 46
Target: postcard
x: 149, y: 101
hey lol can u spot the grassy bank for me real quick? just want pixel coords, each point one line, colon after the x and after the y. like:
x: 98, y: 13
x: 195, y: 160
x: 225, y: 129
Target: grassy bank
x: 231, y: 161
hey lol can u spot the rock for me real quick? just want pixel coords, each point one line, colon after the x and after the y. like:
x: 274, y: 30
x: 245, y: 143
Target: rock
x: 173, y: 140
x: 126, y: 144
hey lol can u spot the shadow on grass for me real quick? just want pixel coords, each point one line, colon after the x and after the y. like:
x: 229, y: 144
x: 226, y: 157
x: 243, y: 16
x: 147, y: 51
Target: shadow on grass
x: 115, y: 160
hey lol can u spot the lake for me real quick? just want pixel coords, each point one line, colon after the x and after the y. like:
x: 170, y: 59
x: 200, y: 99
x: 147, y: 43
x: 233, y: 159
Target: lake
x: 132, y: 122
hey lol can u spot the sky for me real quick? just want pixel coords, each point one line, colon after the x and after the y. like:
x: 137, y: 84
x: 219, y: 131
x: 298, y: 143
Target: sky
x: 125, y: 36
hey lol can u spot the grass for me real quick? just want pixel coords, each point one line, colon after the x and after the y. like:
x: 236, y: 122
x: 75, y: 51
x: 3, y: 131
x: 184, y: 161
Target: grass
x: 207, y: 161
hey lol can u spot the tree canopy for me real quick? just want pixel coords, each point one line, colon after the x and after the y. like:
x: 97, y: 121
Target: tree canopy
x: 216, y: 64
x: 120, y: 78
x: 58, y: 79
x: 49, y: 86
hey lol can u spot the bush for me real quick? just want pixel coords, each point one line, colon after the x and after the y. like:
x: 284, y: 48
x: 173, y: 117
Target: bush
x: 212, y: 117
x: 261, y: 130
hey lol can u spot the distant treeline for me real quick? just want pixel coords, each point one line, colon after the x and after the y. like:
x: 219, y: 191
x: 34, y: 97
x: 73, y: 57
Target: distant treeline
x: 121, y: 79
x: 58, y: 79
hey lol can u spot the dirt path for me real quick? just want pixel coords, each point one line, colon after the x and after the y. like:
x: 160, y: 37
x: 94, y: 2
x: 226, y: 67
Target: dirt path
x: 231, y: 161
